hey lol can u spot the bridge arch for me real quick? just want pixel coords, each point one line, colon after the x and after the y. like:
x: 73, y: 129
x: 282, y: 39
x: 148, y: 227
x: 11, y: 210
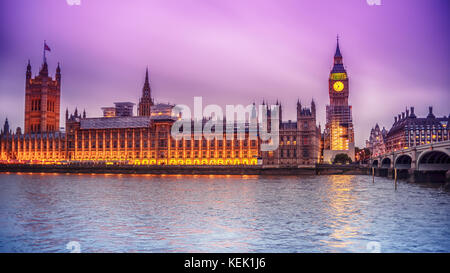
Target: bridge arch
x: 375, y: 163
x: 403, y: 162
x: 434, y: 160
x: 386, y: 163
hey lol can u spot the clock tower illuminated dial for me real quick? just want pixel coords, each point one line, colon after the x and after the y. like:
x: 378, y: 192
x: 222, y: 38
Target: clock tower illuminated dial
x: 338, y: 86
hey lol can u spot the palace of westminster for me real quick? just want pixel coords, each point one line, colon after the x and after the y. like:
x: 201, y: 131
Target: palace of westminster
x: 119, y: 137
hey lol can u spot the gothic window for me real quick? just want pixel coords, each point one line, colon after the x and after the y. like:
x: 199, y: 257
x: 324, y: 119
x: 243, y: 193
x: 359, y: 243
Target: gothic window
x: 305, y: 153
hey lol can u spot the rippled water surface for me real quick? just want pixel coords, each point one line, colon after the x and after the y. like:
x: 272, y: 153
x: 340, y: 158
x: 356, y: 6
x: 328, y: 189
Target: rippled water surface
x: 147, y: 213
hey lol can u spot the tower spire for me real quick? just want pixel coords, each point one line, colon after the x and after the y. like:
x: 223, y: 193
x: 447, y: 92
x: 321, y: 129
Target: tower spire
x: 28, y: 74
x: 146, y: 89
x: 337, y: 54
x: 146, y: 101
x: 338, y: 65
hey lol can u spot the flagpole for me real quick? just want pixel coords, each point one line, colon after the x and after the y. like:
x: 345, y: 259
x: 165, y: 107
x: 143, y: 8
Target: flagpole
x: 44, y: 52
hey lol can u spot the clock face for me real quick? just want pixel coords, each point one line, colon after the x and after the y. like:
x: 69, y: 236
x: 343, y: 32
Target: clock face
x: 338, y: 86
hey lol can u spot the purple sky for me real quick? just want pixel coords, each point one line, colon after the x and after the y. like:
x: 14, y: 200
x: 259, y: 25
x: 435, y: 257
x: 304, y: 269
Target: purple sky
x: 231, y: 52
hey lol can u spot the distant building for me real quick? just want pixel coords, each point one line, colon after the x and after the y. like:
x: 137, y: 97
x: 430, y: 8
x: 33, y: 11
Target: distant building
x: 5, y: 129
x: 377, y: 141
x: 338, y: 135
x: 109, y: 112
x: 120, y: 137
x: 409, y: 130
x: 162, y: 110
x: 299, y: 143
x: 124, y: 109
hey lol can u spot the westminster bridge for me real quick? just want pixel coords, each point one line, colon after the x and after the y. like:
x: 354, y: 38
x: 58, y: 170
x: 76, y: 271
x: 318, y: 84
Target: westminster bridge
x: 428, y: 162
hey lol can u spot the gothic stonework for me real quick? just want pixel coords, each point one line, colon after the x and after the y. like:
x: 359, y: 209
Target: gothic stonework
x: 146, y: 101
x: 42, y: 100
x: 338, y: 135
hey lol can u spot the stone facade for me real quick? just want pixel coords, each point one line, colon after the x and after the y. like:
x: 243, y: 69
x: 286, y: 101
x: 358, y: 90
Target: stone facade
x: 409, y: 131
x: 42, y: 100
x: 377, y: 141
x: 339, y: 133
x: 299, y: 141
x: 146, y: 101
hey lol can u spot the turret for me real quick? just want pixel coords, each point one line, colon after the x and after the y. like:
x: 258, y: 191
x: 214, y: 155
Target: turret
x: 6, y: 127
x: 44, y: 69
x: 412, y: 115
x: 58, y: 74
x: 299, y: 108
x: 28, y: 74
x: 313, y: 108
x: 280, y: 111
x: 430, y: 112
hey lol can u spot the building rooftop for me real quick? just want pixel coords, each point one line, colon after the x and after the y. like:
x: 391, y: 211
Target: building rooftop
x: 115, y: 122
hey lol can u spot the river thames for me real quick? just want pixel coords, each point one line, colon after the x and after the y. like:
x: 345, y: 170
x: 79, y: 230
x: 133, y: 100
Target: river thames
x: 175, y: 213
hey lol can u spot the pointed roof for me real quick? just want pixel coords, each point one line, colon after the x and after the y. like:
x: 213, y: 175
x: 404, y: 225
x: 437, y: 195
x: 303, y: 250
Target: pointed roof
x: 146, y: 75
x: 44, y: 69
x: 338, y: 51
x: 338, y: 66
x: 146, y: 89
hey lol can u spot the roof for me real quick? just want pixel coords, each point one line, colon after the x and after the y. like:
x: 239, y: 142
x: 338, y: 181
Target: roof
x: 42, y: 135
x: 288, y: 125
x: 115, y: 122
x: 338, y: 54
x: 417, y: 122
x: 338, y: 68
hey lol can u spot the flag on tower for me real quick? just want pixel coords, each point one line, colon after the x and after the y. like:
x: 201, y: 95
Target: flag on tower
x: 46, y: 47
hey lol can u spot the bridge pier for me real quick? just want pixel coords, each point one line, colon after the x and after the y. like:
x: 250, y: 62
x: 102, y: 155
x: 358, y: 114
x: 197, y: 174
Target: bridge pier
x: 410, y: 175
x: 430, y: 176
x: 413, y: 175
x: 424, y: 163
x: 383, y: 172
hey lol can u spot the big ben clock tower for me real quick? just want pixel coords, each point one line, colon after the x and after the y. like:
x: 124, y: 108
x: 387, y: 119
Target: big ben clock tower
x: 339, y: 135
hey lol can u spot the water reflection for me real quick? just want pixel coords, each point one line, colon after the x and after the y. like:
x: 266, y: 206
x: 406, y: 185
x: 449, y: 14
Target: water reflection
x: 219, y: 213
x: 341, y: 212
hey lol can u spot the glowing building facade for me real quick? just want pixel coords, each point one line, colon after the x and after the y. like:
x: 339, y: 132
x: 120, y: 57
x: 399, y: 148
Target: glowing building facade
x: 42, y: 100
x: 409, y: 130
x: 119, y: 137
